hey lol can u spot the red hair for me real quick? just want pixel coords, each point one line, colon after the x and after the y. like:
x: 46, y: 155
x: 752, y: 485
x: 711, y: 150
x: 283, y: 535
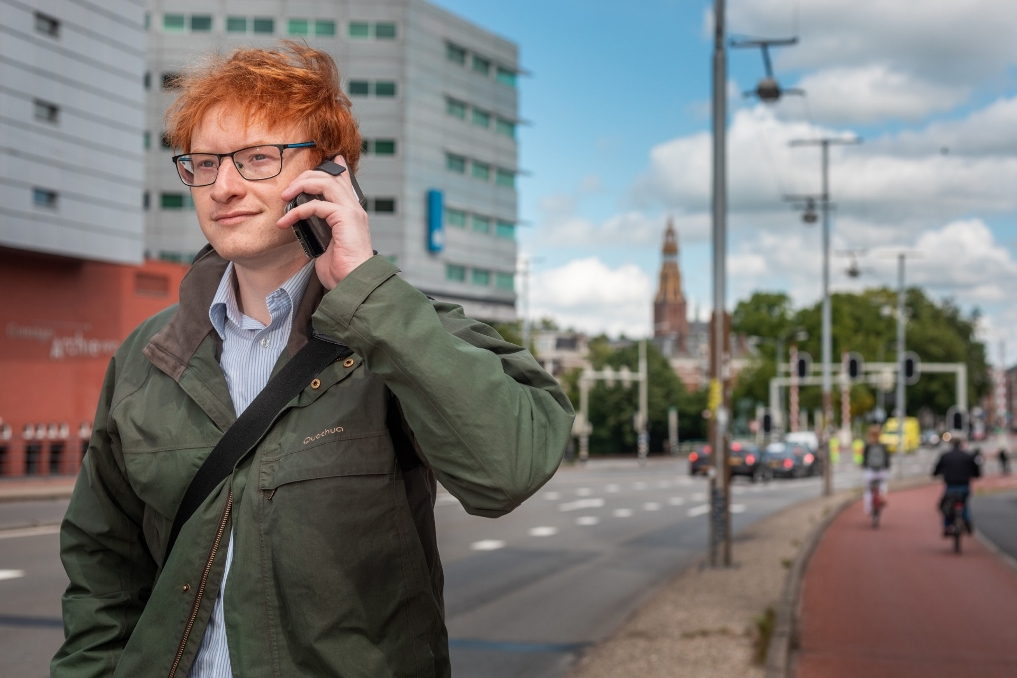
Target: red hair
x: 292, y: 85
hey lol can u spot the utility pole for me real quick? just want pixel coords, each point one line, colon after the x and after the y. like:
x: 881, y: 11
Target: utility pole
x: 826, y: 339
x: 901, y: 414
x: 642, y: 430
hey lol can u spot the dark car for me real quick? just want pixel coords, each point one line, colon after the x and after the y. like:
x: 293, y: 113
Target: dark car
x: 790, y: 460
x: 745, y: 459
x: 700, y: 461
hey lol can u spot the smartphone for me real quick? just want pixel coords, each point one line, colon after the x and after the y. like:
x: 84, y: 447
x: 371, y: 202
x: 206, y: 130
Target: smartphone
x: 314, y: 233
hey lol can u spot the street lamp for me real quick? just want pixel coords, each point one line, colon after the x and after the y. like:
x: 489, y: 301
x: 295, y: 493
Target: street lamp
x: 768, y: 90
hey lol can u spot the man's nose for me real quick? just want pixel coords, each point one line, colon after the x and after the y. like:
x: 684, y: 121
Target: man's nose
x: 228, y: 182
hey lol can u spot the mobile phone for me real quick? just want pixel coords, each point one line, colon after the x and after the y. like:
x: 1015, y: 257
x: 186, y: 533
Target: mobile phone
x: 314, y: 233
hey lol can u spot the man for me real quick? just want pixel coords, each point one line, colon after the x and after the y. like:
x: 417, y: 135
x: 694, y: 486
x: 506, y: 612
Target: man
x: 958, y: 468
x: 317, y: 555
x: 876, y: 463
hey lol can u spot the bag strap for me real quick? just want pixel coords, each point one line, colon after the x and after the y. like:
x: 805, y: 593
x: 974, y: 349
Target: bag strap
x: 253, y: 424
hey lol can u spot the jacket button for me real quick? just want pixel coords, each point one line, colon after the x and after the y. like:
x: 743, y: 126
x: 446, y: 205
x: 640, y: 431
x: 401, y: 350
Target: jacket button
x: 348, y: 362
x: 315, y: 383
x: 186, y: 588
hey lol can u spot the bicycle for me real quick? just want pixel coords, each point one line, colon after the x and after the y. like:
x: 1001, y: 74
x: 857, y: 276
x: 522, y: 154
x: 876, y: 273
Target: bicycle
x: 877, y: 501
x: 955, y: 519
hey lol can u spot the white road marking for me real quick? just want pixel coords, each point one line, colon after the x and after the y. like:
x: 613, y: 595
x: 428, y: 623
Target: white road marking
x: 596, y: 502
x: 699, y: 496
x: 543, y: 531
x: 675, y: 501
x: 584, y: 492
x: 29, y: 531
x: 651, y: 506
x: 699, y: 511
x: 587, y: 520
x: 552, y: 496
x: 737, y: 508
x: 622, y: 513
x: 487, y: 545
x: 639, y: 486
x: 11, y: 574
x: 612, y: 488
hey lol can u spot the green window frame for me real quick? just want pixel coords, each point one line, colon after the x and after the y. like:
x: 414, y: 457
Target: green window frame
x: 384, y: 146
x: 365, y: 146
x: 456, y: 109
x: 263, y: 25
x: 385, y: 205
x: 455, y: 273
x: 479, y: 224
x: 481, y: 118
x: 505, y: 76
x: 504, y: 177
x: 385, y: 30
x: 481, y: 170
x: 505, y: 281
x: 298, y: 27
x: 505, y: 229
x: 455, y: 163
x: 174, y: 23
x: 455, y: 54
x: 384, y: 88
x: 148, y: 140
x: 201, y: 23
x: 359, y: 30
x: 324, y: 28
x: 175, y: 201
x: 506, y: 127
x: 455, y: 218
x: 480, y: 276
x: 236, y: 24
x: 359, y: 88
x: 481, y: 65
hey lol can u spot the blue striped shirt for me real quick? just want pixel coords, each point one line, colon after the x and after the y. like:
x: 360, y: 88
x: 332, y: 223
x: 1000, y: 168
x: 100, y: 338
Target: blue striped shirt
x: 249, y: 352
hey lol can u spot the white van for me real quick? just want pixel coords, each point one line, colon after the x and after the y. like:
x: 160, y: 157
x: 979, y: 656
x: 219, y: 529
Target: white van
x: 806, y: 438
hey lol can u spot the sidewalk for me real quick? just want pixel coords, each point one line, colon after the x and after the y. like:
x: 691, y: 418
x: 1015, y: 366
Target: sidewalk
x: 897, y: 602
x: 29, y: 488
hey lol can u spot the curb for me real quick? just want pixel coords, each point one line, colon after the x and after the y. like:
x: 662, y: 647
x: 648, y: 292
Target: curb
x: 37, y: 493
x: 995, y: 550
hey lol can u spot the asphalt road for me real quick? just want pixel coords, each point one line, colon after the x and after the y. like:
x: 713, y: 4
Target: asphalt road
x: 524, y: 594
x: 995, y: 515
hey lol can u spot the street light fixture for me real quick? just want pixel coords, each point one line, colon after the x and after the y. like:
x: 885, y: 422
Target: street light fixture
x: 768, y: 90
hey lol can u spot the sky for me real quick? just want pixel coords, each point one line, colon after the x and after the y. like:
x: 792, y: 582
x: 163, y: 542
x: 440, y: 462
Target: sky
x: 618, y: 99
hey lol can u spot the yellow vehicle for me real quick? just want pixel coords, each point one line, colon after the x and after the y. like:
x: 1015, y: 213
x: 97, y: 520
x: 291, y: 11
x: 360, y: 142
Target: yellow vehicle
x: 912, y: 435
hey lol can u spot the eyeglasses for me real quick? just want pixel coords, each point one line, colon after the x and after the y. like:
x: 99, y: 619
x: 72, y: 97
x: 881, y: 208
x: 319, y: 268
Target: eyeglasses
x: 254, y: 163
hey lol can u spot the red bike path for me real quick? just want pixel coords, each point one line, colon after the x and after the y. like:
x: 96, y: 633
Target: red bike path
x: 896, y: 602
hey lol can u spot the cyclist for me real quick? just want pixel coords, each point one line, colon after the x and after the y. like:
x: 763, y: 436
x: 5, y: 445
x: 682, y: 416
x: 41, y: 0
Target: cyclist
x: 957, y: 468
x: 876, y: 463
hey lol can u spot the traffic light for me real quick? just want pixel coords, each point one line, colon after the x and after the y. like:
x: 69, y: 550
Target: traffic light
x: 767, y: 422
x: 803, y: 365
x: 958, y: 421
x: 855, y: 367
x: 912, y: 367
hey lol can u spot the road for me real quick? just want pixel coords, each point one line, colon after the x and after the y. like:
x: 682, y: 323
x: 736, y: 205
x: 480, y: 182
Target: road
x: 524, y: 594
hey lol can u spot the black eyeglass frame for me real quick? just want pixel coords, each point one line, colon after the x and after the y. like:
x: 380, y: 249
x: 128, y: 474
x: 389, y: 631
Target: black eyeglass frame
x: 220, y: 156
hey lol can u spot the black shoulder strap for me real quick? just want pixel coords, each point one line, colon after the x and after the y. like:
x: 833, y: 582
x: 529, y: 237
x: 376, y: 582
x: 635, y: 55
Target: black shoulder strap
x: 253, y: 423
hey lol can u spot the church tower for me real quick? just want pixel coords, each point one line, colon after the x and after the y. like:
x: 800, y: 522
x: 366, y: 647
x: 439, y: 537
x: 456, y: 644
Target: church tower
x: 670, y: 321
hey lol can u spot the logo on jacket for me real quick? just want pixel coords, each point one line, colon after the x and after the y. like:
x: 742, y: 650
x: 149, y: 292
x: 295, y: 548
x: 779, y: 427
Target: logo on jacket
x: 328, y: 431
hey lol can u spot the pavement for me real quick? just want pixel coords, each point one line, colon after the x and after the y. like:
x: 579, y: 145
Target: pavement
x: 897, y: 602
x: 27, y: 488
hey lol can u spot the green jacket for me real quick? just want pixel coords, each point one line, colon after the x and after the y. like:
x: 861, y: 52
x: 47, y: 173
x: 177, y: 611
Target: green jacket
x: 336, y: 569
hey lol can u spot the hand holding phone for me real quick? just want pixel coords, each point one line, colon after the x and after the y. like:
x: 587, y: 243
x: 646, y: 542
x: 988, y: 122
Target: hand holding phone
x: 314, y: 233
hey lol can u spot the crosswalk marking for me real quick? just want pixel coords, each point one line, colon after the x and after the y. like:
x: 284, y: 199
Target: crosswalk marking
x: 11, y: 574
x: 698, y: 510
x: 487, y: 545
x: 595, y: 502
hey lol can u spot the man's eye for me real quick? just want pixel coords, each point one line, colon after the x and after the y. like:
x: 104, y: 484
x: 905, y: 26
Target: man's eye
x: 258, y: 157
x: 206, y: 164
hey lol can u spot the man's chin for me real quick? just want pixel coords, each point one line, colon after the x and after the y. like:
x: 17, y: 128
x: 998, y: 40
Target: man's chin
x: 257, y: 255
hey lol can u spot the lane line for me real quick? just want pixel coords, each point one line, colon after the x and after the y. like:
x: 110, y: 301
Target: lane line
x: 487, y: 545
x: 29, y: 531
x: 675, y: 501
x: 639, y: 486
x: 623, y: 513
x: 699, y: 511
x: 612, y: 488
x: 651, y: 506
x: 596, y: 502
x: 544, y: 531
x: 587, y: 520
x: 552, y: 496
x: 11, y: 574
x: 584, y: 492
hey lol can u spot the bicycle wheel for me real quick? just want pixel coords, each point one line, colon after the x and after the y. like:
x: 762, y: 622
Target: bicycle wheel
x: 958, y: 529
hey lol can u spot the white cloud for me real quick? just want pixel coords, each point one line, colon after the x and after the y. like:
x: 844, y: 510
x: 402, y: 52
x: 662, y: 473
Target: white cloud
x: 587, y: 295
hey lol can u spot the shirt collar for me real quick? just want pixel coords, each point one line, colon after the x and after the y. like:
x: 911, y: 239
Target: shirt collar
x: 280, y: 303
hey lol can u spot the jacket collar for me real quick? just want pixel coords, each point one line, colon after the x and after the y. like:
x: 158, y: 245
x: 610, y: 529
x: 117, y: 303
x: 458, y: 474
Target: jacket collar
x: 173, y: 347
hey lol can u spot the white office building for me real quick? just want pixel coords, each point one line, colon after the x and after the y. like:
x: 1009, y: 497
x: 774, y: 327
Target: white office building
x: 72, y: 116
x: 437, y: 103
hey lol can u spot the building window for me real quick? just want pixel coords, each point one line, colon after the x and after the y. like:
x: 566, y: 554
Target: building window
x: 481, y: 170
x: 46, y: 112
x: 384, y: 88
x: 201, y: 23
x: 505, y: 178
x: 148, y: 20
x: 455, y: 163
x: 236, y: 24
x: 56, y: 456
x: 324, y: 28
x: 173, y: 23
x: 147, y: 140
x: 455, y: 218
x: 455, y: 273
x: 360, y: 29
x: 170, y: 80
x: 504, y: 281
x: 147, y: 80
x: 385, y: 205
x: 385, y: 31
x: 481, y: 224
x: 146, y: 201
x: 359, y: 88
x: 47, y: 25
x: 299, y: 27
x: 481, y: 118
x: 505, y: 76
x: 481, y: 65
x: 505, y: 229
x: 479, y: 276
x: 456, y: 109
x: 384, y: 146
x: 455, y: 53
x: 175, y: 201
x: 43, y: 197
x: 264, y: 25
x: 33, y: 452
x: 506, y: 127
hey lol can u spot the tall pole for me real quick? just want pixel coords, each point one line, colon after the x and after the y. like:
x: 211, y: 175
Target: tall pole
x: 826, y: 329
x: 718, y: 496
x: 780, y: 389
x: 643, y: 445
x: 900, y: 365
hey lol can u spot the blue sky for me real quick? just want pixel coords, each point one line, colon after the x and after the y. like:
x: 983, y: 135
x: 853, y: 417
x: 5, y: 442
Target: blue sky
x: 619, y: 104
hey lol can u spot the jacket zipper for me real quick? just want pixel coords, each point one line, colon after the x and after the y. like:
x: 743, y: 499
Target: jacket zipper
x: 201, y: 585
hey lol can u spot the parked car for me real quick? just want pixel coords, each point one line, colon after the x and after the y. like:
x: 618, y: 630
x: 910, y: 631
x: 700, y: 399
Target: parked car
x: 804, y: 438
x: 930, y: 438
x: 700, y: 460
x: 790, y: 460
x: 745, y: 459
